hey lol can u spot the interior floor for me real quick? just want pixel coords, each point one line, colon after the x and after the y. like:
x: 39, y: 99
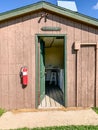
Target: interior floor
x: 53, y: 97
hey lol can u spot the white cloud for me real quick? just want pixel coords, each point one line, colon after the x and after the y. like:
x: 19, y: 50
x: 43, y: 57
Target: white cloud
x: 95, y: 7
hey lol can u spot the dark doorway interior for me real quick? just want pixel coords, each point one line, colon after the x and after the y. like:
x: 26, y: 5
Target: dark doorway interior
x: 54, y: 72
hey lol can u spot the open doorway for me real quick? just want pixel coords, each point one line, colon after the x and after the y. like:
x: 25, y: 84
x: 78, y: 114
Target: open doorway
x: 52, y: 71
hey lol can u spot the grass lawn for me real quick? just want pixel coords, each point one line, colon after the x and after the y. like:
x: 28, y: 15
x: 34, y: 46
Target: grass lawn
x: 95, y: 109
x: 2, y: 111
x: 64, y: 128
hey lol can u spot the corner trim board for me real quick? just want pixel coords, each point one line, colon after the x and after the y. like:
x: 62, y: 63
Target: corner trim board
x: 78, y: 44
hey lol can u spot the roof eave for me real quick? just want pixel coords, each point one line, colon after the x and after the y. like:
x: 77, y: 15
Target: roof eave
x: 72, y: 15
x: 49, y: 7
x: 20, y: 11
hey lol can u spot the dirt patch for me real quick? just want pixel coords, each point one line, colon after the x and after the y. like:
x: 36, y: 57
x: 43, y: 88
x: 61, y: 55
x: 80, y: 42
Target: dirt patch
x: 15, y: 111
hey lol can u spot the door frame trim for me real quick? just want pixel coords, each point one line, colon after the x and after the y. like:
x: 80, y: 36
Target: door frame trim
x: 37, y: 66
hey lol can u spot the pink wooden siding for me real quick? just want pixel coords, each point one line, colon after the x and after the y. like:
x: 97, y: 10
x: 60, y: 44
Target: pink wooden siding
x: 17, y: 48
x: 86, y: 76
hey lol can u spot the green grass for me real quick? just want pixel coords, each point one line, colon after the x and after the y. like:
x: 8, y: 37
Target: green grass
x: 64, y: 128
x: 95, y: 109
x: 2, y: 111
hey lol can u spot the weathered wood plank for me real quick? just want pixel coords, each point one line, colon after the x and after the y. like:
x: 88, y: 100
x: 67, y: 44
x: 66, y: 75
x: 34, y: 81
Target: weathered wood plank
x: 19, y: 94
x: 97, y: 68
x: 27, y: 61
x: 96, y: 90
x: 12, y: 92
x: 79, y: 81
x: 48, y: 101
x: 96, y: 31
x: 3, y: 43
x: 86, y: 80
x: 11, y: 42
x: 0, y: 75
x: 5, y: 91
x: 12, y: 60
x: 92, y: 34
x: 91, y: 77
x: 34, y: 24
x: 78, y: 66
x: 55, y: 23
x: 0, y: 91
x: 84, y: 75
x: 14, y: 69
x: 78, y: 32
x: 19, y: 41
x: 84, y: 59
x: 52, y: 97
x: 49, y: 23
x: 18, y: 49
x: 71, y: 68
x: 41, y: 22
x: 4, y: 95
x: 63, y: 25
x: 84, y: 33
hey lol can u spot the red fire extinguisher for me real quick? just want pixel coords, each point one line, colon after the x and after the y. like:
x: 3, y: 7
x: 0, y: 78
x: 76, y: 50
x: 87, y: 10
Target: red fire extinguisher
x: 24, y: 76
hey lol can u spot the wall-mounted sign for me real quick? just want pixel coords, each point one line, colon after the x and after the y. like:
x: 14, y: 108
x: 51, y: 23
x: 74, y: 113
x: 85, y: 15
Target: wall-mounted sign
x: 51, y: 28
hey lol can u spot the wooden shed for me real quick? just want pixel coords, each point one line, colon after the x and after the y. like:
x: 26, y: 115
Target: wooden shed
x: 59, y: 47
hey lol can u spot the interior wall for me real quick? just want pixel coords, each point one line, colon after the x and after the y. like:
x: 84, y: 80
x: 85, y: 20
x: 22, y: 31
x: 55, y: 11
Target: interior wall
x: 54, y: 57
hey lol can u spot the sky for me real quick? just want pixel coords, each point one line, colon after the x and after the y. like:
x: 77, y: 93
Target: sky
x: 86, y: 7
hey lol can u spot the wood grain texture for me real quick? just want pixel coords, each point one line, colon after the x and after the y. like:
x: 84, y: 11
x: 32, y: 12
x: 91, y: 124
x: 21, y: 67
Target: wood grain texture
x: 63, y: 25
x: 42, y: 21
x: 5, y: 91
x: 32, y: 80
x: 19, y: 94
x: 17, y: 48
x: 91, y: 77
x: 11, y: 42
x: 27, y: 57
x: 19, y: 41
x: 78, y: 32
x: 0, y: 92
x: 96, y: 76
x: 71, y: 68
x: 79, y: 77
x: 3, y: 44
x: 12, y: 92
x: 84, y: 33
x: 96, y: 35
x: 4, y: 66
x: 55, y: 23
x: 49, y: 23
x: 86, y: 76
x: 92, y: 34
x: 97, y: 68
x: 34, y: 24
x: 78, y: 98
x: 34, y: 30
